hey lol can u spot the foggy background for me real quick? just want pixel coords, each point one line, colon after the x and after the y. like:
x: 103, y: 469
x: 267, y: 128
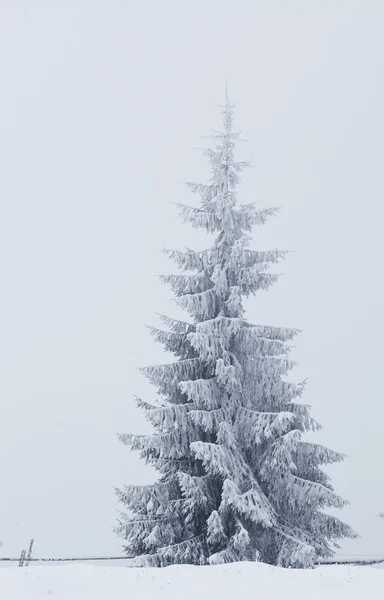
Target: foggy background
x: 101, y: 105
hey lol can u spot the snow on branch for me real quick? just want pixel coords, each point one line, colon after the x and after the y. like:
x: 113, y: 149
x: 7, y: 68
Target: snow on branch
x: 189, y: 260
x: 283, y: 334
x: 177, y: 343
x: 200, y: 218
x: 171, y: 444
x: 257, y: 427
x: 329, y: 527
x: 312, y: 492
x: 294, y: 552
x: 167, y: 377
x: 252, y: 504
x: 175, y: 325
x: 187, y: 284
x: 204, y: 393
x: 200, y: 305
x: 315, y: 454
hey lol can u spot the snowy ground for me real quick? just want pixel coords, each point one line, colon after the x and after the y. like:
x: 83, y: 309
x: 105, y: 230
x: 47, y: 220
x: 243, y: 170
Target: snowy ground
x: 245, y: 581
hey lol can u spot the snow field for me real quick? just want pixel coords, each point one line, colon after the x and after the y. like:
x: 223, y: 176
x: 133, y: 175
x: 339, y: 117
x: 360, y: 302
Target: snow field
x: 243, y: 581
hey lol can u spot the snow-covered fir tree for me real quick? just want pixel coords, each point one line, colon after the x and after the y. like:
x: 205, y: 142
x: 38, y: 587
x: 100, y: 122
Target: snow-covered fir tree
x: 237, y: 481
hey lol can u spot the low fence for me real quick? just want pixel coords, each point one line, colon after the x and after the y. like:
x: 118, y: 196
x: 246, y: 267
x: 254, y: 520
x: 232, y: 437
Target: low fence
x: 122, y: 561
x: 110, y: 561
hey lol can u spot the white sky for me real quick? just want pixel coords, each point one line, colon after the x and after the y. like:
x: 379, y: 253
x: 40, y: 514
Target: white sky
x: 101, y: 104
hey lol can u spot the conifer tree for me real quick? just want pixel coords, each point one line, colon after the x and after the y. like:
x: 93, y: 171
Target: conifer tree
x: 236, y: 479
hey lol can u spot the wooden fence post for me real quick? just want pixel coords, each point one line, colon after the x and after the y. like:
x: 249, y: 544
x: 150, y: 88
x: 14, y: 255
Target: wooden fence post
x: 22, y: 557
x: 29, y: 553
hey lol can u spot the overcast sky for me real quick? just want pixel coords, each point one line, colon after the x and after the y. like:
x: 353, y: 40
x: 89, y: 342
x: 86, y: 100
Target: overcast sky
x: 101, y: 105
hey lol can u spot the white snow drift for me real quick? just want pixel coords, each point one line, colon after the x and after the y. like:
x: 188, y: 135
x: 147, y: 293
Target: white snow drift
x: 248, y: 581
